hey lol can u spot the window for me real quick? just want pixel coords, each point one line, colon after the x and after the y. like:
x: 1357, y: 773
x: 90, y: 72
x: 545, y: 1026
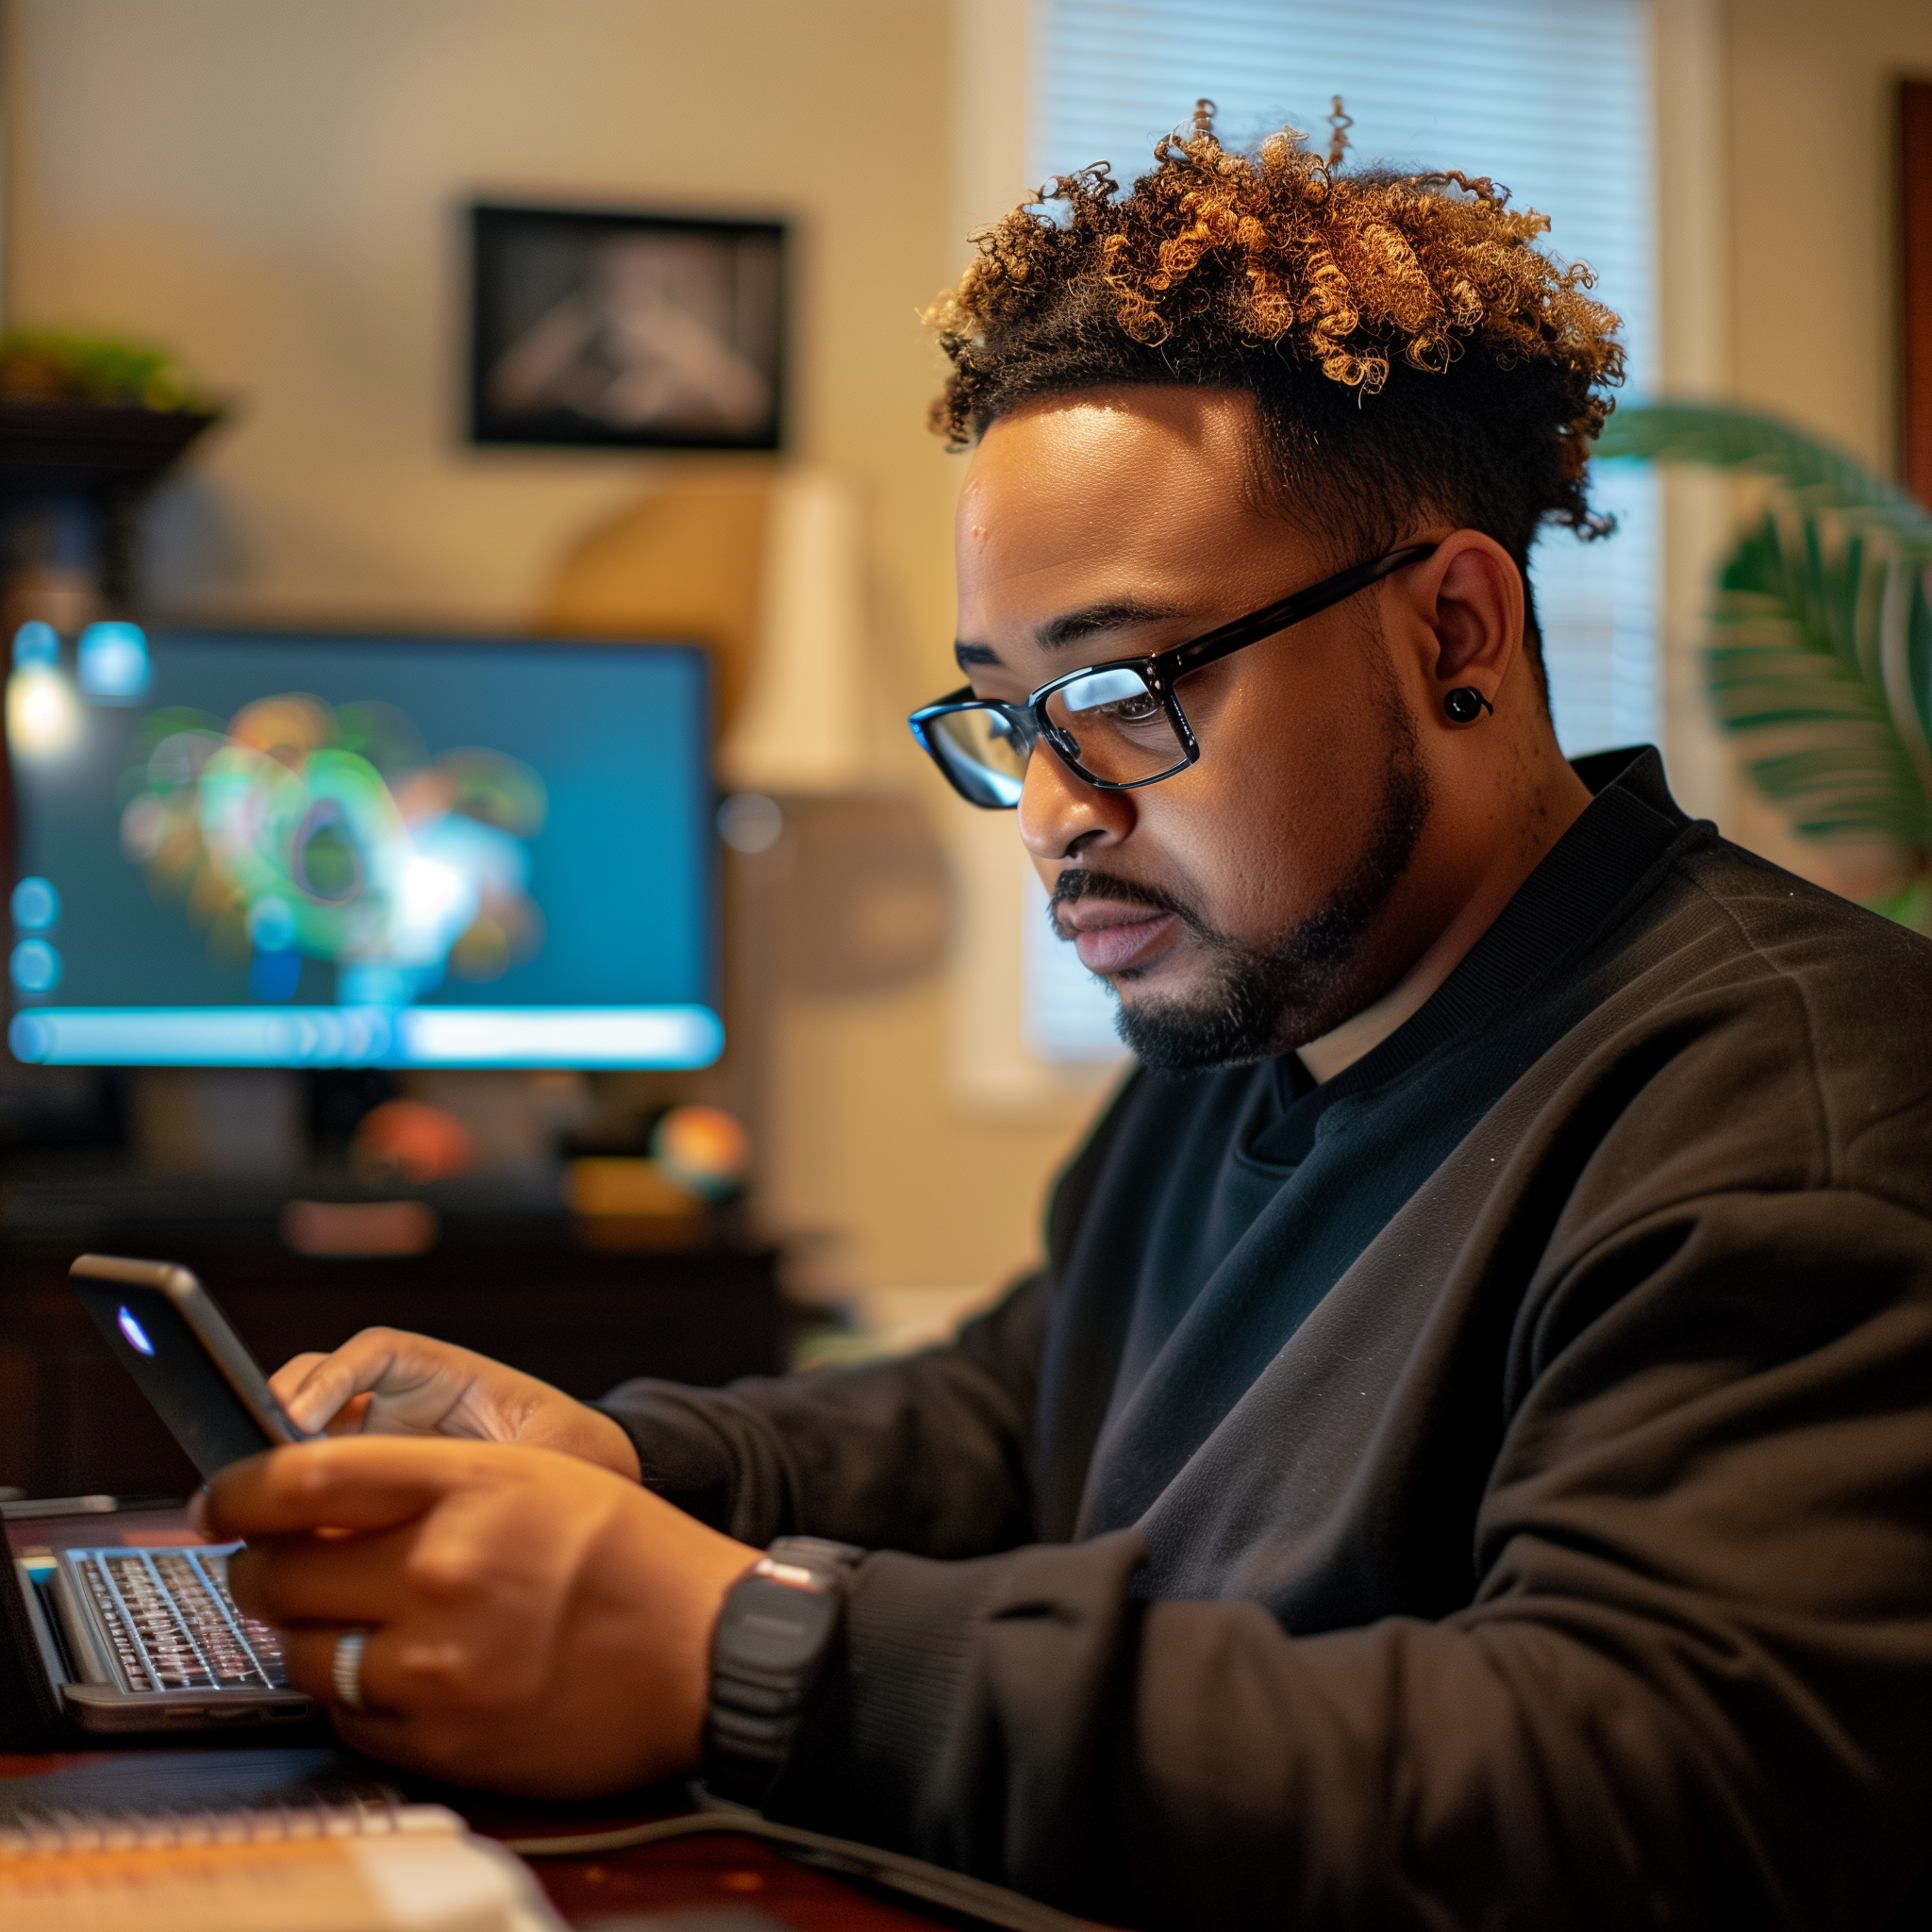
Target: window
x: 1550, y: 97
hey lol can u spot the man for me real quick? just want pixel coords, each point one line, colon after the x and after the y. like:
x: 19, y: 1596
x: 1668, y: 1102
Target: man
x: 1466, y: 1457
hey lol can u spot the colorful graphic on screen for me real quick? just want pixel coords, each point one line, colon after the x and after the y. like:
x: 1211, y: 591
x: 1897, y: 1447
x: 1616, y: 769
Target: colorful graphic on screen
x: 300, y: 830
x: 257, y: 848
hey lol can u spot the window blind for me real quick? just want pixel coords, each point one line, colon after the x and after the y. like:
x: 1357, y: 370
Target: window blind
x: 1551, y: 98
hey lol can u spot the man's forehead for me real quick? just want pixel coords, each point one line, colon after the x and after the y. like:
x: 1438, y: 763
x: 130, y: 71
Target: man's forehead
x: 1131, y: 443
x: 1043, y: 589
x: 1095, y: 513
x: 1036, y: 506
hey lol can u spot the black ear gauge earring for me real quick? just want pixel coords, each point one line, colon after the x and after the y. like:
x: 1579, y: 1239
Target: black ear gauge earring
x: 1465, y: 704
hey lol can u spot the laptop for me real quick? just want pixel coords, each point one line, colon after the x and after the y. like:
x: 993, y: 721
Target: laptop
x: 135, y: 1632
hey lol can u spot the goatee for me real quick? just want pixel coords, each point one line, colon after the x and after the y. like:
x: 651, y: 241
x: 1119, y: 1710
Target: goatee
x: 1266, y: 999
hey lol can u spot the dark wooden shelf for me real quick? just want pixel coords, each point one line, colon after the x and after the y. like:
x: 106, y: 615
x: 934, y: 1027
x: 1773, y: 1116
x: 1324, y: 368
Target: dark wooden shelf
x: 49, y: 448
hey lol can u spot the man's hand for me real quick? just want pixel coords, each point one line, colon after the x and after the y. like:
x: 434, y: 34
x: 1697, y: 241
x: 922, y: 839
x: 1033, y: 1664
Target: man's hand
x: 385, y: 1382
x: 535, y: 1626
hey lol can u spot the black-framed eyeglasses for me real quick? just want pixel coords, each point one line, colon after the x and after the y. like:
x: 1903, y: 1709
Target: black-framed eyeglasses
x: 1117, y: 724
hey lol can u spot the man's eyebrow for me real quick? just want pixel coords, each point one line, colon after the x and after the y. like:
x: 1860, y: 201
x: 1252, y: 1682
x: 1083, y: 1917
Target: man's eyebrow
x: 1057, y: 632
x: 1069, y: 629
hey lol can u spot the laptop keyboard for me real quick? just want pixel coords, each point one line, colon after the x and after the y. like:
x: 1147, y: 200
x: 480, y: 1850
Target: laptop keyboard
x: 168, y: 1622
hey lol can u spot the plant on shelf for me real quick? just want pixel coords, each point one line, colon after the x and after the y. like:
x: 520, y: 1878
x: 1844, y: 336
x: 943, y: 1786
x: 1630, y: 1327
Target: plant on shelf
x: 54, y: 366
x: 1820, y: 651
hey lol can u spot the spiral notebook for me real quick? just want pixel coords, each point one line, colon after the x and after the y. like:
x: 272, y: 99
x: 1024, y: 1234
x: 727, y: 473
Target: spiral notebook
x: 353, y: 1868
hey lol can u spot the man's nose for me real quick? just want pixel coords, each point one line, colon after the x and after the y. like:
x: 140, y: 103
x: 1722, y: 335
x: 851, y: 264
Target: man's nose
x: 1061, y: 814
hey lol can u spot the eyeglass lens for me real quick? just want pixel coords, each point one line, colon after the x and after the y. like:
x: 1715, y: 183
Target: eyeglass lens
x: 1120, y: 731
x: 985, y: 752
x: 1117, y: 729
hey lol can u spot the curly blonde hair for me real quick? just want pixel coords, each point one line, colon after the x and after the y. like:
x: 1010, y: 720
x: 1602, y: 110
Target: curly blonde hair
x: 1409, y: 346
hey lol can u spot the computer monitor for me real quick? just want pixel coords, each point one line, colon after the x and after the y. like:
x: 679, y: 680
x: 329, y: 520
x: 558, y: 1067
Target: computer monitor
x: 251, y: 848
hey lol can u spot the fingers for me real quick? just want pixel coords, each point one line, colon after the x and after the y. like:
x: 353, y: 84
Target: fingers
x: 386, y: 1381
x: 351, y: 1418
x: 307, y: 1397
x: 402, y: 1672
x: 292, y: 1580
x: 464, y: 1585
x: 418, y: 1380
x: 400, y: 1717
x: 290, y: 1377
x: 309, y: 1656
x: 313, y: 1388
x: 344, y: 1482
x: 531, y: 1622
x: 462, y: 1554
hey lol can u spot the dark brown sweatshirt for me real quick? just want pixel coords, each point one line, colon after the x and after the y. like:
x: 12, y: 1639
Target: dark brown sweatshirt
x: 1494, y: 1488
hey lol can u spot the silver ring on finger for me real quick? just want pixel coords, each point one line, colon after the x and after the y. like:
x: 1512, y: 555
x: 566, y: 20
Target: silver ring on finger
x: 345, y: 1673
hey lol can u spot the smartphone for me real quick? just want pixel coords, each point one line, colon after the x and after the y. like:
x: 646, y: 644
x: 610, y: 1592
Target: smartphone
x: 167, y: 1334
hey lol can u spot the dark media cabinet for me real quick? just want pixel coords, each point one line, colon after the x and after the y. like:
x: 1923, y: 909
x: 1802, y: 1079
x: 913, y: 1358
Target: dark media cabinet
x: 530, y: 1289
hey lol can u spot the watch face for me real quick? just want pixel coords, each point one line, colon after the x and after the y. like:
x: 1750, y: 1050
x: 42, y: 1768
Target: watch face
x: 774, y: 1626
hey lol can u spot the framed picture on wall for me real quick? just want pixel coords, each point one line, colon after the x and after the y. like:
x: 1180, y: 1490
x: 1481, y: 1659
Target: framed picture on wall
x: 629, y: 330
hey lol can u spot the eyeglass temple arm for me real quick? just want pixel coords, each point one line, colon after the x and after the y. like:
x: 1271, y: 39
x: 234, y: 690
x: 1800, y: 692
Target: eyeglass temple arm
x: 1290, y: 610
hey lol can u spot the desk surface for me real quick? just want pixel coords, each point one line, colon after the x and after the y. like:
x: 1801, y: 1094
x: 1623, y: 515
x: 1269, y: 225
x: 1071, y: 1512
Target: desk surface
x: 680, y: 1876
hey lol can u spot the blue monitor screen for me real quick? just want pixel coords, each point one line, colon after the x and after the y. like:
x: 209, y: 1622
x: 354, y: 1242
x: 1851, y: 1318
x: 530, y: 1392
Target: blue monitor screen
x: 260, y: 849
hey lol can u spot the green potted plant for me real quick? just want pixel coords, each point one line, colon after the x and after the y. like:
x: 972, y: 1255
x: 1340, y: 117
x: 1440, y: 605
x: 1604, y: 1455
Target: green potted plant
x: 1821, y: 650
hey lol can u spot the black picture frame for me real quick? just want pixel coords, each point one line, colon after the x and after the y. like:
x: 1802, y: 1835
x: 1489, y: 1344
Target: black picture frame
x: 598, y: 329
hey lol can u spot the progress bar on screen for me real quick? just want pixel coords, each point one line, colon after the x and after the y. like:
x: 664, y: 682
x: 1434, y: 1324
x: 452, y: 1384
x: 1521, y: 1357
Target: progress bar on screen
x: 367, y: 1037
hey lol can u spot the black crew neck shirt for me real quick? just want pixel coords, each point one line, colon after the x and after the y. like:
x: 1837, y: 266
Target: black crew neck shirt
x: 1226, y: 1174
x: 1249, y: 1155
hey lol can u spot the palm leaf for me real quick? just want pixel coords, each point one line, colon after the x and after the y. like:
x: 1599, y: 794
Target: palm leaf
x: 1822, y: 632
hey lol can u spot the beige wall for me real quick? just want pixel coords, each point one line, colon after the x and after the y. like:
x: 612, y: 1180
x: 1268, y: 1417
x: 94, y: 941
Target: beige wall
x: 273, y: 187
x: 1811, y: 168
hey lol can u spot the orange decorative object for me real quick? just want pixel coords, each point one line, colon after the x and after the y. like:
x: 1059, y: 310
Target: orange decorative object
x: 625, y: 1187
x: 704, y: 1148
x: 414, y: 1139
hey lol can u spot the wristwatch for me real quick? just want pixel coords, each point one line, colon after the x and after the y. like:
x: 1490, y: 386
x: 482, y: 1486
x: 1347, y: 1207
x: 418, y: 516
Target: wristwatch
x: 776, y: 1629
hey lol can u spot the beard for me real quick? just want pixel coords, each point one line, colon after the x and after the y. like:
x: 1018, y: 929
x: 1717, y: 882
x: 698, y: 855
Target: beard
x: 1264, y: 1000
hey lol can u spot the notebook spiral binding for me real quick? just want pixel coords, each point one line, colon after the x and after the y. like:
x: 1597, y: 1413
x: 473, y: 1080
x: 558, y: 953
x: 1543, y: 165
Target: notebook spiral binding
x: 58, y: 1834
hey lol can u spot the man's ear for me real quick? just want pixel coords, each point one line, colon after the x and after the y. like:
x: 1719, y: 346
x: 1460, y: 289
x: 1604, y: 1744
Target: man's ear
x: 1469, y: 597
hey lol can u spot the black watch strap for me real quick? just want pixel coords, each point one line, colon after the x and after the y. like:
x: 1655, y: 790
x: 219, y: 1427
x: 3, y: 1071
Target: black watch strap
x: 779, y: 1623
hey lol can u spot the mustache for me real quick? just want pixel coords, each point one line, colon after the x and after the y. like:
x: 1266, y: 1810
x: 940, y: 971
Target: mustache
x: 1082, y: 882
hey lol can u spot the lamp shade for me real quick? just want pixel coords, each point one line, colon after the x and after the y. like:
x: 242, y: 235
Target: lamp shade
x: 801, y: 728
